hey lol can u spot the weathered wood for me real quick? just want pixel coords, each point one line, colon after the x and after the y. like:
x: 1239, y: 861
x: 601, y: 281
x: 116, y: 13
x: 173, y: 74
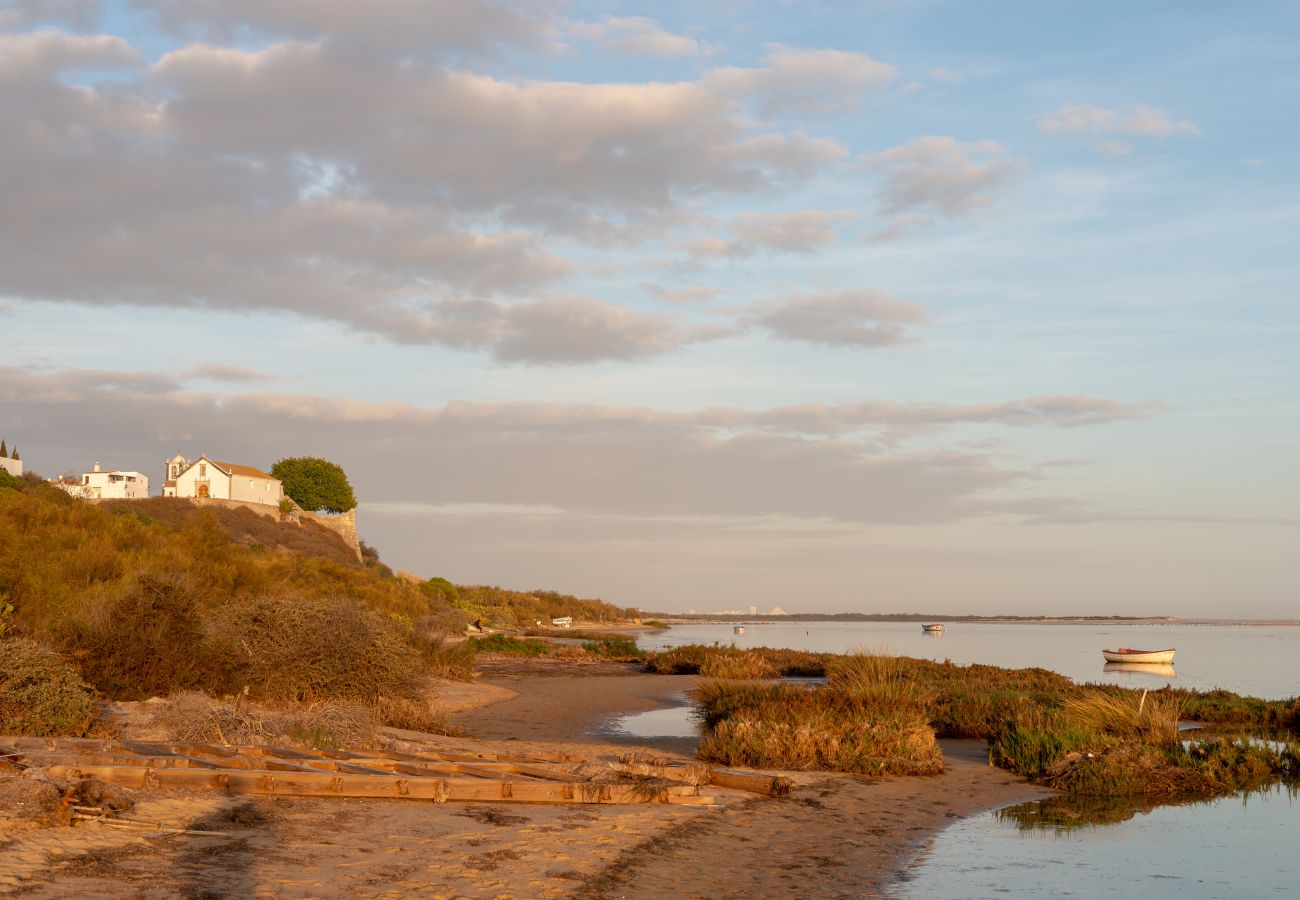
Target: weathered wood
x: 768, y: 785
x: 320, y: 784
x: 696, y: 773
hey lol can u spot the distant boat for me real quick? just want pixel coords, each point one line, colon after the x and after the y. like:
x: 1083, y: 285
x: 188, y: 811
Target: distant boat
x: 1163, y: 670
x: 1125, y: 655
x: 933, y: 627
x: 739, y: 629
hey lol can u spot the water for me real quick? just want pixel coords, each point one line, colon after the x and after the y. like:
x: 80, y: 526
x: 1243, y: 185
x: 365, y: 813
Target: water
x: 1231, y: 848
x: 1258, y: 660
x: 1242, y: 846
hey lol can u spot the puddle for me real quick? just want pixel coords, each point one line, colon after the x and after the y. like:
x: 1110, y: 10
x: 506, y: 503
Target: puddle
x: 675, y: 722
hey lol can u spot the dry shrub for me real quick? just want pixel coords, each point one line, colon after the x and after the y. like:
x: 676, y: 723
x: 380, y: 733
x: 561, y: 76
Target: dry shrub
x: 415, y: 715
x: 302, y: 649
x: 148, y: 642
x: 40, y: 694
x: 743, y: 665
x: 789, y: 727
x: 876, y: 678
x: 453, y: 661
x: 194, y: 717
x: 31, y: 800
x: 1151, y: 718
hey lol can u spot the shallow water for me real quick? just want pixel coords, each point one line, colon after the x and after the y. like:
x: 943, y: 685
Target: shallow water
x: 675, y: 721
x: 1259, y: 660
x: 1241, y: 846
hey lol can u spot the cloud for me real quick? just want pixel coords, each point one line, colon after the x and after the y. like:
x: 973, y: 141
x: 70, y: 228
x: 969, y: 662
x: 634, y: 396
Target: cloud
x: 804, y: 82
x: 685, y: 294
x: 939, y: 177
x: 221, y: 372
x: 636, y: 36
x: 1096, y: 120
x: 804, y: 231
x: 374, y: 192
x: 414, y: 26
x: 842, y: 319
x: 941, y: 74
x: 77, y: 14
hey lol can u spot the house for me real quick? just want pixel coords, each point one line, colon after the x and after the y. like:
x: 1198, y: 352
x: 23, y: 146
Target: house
x: 206, y: 478
x: 13, y: 466
x: 102, y: 485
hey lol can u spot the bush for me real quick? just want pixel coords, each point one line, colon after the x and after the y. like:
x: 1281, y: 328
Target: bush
x: 510, y: 646
x: 315, y: 484
x: 40, y: 694
x: 620, y: 648
x: 290, y: 647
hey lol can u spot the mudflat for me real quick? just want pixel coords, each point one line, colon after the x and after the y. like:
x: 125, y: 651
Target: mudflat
x: 835, y: 836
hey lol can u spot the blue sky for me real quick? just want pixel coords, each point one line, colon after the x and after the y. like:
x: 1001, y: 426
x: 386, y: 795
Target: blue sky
x: 864, y: 306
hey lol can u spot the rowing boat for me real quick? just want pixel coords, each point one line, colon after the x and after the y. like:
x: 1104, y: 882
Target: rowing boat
x: 936, y: 626
x: 1125, y: 655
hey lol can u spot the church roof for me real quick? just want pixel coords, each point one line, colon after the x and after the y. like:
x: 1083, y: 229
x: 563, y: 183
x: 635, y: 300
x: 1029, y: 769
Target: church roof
x: 246, y: 471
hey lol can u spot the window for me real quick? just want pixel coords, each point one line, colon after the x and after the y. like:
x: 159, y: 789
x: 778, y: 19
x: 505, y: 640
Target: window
x: 203, y: 471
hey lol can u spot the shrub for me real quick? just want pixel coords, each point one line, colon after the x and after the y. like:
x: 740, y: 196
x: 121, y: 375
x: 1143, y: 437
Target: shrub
x: 510, y: 646
x: 1151, y: 718
x: 40, y: 694
x: 792, y: 727
x: 744, y: 664
x: 301, y: 648
x: 444, y: 660
x: 621, y: 648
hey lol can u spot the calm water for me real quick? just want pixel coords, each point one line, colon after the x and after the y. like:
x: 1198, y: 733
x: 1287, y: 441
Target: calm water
x: 1259, y: 660
x: 1230, y: 848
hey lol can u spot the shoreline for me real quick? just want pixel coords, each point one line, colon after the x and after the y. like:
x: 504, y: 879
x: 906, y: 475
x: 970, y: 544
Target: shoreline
x: 836, y: 835
x: 909, y: 619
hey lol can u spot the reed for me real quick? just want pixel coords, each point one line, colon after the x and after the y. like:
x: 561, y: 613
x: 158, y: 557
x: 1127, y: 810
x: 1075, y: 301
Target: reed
x: 1148, y: 717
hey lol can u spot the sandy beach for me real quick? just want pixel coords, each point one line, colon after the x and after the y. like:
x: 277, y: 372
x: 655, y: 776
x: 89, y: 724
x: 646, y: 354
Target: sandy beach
x: 836, y: 836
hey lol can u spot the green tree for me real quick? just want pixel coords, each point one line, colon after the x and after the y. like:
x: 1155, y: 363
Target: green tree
x: 16, y: 456
x: 314, y: 483
x: 4, y: 451
x: 8, y: 481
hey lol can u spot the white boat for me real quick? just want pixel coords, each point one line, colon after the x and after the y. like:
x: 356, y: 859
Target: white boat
x: 739, y: 629
x: 1125, y: 655
x: 933, y: 627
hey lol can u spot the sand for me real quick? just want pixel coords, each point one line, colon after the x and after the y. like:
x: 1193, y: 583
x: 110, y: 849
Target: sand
x: 836, y: 836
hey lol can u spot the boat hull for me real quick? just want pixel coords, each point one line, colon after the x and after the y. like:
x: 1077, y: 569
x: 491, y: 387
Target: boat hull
x: 935, y: 627
x: 1139, y: 656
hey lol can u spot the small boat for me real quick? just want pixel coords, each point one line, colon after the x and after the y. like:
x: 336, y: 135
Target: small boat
x: 933, y: 627
x: 739, y: 629
x: 1125, y: 655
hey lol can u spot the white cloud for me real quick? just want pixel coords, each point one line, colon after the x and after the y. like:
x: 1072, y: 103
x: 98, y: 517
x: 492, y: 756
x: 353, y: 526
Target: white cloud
x: 939, y: 177
x: 842, y: 319
x: 802, y: 231
x: 636, y: 36
x: 804, y: 82
x: 1141, y: 120
x: 78, y: 14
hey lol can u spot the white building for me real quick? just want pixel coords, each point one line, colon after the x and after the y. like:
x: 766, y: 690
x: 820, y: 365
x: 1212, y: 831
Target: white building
x: 209, y: 478
x: 13, y: 466
x: 101, y: 485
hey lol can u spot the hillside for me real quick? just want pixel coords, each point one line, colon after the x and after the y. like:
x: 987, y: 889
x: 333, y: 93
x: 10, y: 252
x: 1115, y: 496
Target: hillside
x: 159, y: 596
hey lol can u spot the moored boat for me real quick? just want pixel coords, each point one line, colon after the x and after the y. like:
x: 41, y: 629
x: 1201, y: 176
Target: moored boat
x: 739, y: 629
x: 933, y: 627
x: 1125, y: 655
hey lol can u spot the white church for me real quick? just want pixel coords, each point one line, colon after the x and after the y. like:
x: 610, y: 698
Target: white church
x: 206, y: 478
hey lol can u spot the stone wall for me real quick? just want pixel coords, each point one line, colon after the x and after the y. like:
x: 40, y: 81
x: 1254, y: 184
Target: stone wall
x: 342, y: 524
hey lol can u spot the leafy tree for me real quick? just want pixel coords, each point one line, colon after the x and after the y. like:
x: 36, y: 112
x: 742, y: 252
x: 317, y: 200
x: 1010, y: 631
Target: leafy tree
x: 8, y: 481
x: 315, y: 483
x: 440, y: 587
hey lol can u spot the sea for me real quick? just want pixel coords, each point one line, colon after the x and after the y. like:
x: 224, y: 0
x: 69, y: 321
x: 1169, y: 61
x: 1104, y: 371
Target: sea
x: 1242, y: 846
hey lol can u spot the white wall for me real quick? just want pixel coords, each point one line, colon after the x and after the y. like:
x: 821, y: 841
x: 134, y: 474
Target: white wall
x: 255, y: 490
x: 218, y: 483
x: 13, y: 466
x: 115, y: 485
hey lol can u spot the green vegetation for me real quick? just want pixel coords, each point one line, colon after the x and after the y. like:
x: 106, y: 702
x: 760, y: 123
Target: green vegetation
x: 614, y: 647
x: 40, y: 694
x: 9, y: 481
x: 315, y: 484
x: 1088, y: 740
x: 510, y: 646
x: 144, y: 598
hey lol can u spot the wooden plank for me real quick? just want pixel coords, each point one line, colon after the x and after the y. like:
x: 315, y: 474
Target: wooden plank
x: 768, y: 785
x: 320, y: 784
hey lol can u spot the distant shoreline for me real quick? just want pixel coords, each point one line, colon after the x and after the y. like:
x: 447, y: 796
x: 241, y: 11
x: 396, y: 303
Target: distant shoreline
x: 719, y: 619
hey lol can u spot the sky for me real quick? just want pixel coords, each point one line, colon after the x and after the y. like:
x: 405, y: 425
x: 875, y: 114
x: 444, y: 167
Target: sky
x: 933, y: 306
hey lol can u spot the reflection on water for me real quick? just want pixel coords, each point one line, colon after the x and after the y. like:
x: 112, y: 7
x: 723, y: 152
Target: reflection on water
x: 675, y: 721
x: 1158, y: 670
x: 1239, y: 846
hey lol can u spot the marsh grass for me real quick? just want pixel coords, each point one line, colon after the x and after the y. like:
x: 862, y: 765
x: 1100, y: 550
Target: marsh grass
x: 510, y: 646
x: 1149, y: 717
x: 615, y: 647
